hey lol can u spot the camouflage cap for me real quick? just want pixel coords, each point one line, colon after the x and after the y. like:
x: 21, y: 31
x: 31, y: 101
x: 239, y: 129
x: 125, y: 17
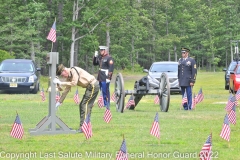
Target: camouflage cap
x: 59, y: 70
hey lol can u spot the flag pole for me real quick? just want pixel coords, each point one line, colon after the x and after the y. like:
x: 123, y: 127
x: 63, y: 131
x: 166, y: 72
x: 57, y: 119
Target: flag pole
x: 190, y: 107
x: 159, y: 142
x: 52, y: 47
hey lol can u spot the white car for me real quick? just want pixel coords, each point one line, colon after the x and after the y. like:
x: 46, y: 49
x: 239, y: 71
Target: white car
x: 168, y: 67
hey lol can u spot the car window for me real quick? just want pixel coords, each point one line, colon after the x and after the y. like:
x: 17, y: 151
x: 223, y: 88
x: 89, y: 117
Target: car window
x: 232, y: 66
x: 238, y: 70
x: 164, y: 68
x: 17, y: 66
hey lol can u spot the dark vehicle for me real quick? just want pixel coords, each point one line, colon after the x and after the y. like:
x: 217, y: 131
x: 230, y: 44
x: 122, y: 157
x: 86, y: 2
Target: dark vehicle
x: 19, y: 75
x: 230, y: 68
x: 168, y: 67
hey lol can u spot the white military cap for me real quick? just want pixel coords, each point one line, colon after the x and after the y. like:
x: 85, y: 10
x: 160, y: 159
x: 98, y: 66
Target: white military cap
x: 103, y: 47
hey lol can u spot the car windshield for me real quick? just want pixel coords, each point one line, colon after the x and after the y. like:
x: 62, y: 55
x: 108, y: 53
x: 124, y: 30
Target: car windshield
x: 232, y: 66
x: 16, y: 66
x: 238, y: 70
x: 164, y: 68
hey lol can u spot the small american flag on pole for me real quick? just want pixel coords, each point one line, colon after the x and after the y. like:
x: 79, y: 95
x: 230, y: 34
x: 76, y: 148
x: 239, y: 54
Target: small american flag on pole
x: 199, y: 96
x: 100, y: 101
x: 155, y: 130
x: 122, y: 153
x: 42, y: 95
x: 87, y: 127
x: 237, y: 94
x: 231, y: 102
x: 107, y: 115
x: 17, y: 129
x: 206, y: 151
x: 232, y: 115
x: 184, y: 99
x: 156, y: 100
x: 225, y: 133
x: 194, y: 101
x: 76, y: 97
x: 130, y: 102
x: 52, y: 34
x: 113, y: 97
x: 58, y: 97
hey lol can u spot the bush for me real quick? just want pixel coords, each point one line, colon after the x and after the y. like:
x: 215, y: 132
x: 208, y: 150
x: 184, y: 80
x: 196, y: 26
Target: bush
x: 5, y: 55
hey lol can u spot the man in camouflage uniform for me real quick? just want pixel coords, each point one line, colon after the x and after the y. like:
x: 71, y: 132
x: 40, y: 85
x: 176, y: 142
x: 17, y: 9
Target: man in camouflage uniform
x: 77, y: 76
x: 106, y: 67
x: 187, y: 72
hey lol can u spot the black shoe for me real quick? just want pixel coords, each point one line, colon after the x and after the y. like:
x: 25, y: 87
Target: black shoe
x: 79, y: 131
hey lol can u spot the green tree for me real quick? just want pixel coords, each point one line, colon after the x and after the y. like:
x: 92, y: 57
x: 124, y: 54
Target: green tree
x: 5, y: 55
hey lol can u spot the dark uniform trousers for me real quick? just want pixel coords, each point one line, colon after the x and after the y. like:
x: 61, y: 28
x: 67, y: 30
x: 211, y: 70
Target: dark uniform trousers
x: 85, y: 107
x: 188, y: 89
x: 104, y: 87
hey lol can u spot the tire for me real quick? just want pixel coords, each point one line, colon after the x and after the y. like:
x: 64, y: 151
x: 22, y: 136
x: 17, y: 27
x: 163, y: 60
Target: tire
x: 226, y: 86
x: 36, y: 89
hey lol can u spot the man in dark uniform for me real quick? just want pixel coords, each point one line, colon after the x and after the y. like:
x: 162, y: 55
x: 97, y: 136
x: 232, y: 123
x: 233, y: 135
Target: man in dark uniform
x: 106, y: 67
x: 187, y: 72
x: 77, y: 76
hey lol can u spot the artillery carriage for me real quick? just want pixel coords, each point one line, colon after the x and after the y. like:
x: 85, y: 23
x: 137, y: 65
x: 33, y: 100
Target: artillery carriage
x: 145, y: 86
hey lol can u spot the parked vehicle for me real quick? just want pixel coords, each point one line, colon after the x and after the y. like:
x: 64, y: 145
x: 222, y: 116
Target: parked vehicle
x: 19, y: 75
x: 168, y: 67
x: 234, y: 80
x: 230, y: 68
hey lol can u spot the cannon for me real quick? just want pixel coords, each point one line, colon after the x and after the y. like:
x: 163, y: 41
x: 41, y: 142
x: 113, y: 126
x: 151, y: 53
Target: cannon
x: 145, y: 86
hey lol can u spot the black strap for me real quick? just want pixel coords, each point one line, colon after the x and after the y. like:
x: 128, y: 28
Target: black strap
x: 77, y: 73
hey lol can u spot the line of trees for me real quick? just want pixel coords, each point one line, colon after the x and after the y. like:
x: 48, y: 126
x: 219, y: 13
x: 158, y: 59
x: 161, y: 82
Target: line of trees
x: 138, y: 32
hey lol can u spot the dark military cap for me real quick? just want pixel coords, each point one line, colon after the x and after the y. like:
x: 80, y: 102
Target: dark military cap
x: 185, y: 49
x: 60, y: 68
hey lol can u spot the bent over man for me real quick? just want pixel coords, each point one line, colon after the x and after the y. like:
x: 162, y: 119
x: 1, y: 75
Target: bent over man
x: 187, y: 72
x: 77, y: 76
x: 106, y: 67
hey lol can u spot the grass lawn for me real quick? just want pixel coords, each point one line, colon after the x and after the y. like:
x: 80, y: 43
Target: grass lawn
x: 182, y: 133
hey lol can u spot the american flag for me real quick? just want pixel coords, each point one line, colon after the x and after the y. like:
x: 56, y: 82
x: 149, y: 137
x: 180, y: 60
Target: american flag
x: 237, y: 94
x: 155, y: 130
x: 107, y: 115
x: 130, y: 102
x: 194, y: 101
x: 156, y: 100
x: 184, y: 99
x: 87, y: 127
x: 113, y: 97
x: 58, y: 97
x: 17, y: 129
x: 52, y: 34
x: 122, y: 153
x: 100, y: 101
x: 231, y: 102
x: 42, y: 95
x: 199, y: 97
x: 232, y: 115
x: 206, y: 151
x: 76, y: 97
x: 225, y: 133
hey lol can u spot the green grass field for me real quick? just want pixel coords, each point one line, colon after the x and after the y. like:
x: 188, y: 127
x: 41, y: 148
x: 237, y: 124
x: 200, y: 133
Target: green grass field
x: 182, y: 133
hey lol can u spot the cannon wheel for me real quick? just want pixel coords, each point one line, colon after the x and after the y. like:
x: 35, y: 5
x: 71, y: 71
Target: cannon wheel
x: 119, y: 92
x: 164, y: 92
